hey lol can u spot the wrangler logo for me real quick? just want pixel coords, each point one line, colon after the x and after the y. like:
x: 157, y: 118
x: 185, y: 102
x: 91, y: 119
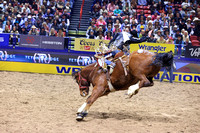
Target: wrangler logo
x: 154, y: 48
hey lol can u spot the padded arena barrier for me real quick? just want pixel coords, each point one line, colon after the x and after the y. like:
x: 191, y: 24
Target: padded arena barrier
x: 180, y: 77
x: 68, y: 70
x: 38, y: 68
x: 43, y: 61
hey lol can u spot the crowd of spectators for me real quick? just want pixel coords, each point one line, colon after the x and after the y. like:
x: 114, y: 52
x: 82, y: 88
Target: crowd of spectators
x: 35, y: 17
x: 171, y: 22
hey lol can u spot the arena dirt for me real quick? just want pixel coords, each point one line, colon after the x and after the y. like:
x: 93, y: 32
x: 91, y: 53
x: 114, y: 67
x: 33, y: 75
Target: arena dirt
x: 42, y: 103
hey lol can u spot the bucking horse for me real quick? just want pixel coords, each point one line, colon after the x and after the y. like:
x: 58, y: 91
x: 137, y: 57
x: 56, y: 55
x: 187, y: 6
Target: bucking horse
x: 131, y: 72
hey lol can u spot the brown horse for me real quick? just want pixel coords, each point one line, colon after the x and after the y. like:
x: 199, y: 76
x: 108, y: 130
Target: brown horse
x: 142, y: 67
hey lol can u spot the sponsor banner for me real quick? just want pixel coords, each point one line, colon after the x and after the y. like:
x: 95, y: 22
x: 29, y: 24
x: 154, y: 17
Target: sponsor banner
x: 52, y: 42
x: 38, y: 57
x: 7, y: 56
x: 63, y: 59
x: 152, y: 47
x: 180, y: 77
x: 90, y: 45
x: 29, y: 41
x: 4, y: 39
x: 31, y: 57
x: 192, y: 52
x: 43, y: 42
x: 46, y: 57
x: 80, y: 60
x: 38, y: 68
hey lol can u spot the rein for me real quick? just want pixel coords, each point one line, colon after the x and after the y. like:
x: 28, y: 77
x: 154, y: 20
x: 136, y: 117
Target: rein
x: 114, y: 60
x: 82, y: 79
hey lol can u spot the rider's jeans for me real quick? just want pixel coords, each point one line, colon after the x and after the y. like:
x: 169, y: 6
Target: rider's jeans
x: 108, y: 62
x: 170, y: 75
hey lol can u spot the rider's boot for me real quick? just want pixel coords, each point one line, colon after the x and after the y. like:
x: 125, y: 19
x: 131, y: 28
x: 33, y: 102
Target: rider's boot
x: 111, y: 67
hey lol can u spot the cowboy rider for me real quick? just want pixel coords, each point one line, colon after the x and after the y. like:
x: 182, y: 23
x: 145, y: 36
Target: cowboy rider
x: 124, y: 39
x: 120, y: 40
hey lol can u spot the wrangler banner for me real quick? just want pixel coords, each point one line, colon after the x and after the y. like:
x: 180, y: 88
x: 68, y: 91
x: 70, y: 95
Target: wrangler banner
x: 90, y: 45
x: 153, y: 47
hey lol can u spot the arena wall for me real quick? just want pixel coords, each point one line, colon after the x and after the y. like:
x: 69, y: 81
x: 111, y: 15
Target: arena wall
x: 65, y: 63
x: 38, y: 68
x: 68, y: 70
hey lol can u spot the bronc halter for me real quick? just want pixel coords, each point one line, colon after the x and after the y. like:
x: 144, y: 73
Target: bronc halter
x: 80, y: 79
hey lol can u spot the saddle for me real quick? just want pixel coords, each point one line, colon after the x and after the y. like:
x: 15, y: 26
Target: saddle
x: 107, y: 62
x: 101, y: 62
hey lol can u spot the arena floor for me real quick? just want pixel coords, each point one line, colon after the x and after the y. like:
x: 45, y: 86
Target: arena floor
x: 31, y: 103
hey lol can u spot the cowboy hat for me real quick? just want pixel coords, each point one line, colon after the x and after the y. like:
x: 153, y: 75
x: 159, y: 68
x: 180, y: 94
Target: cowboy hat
x: 33, y: 27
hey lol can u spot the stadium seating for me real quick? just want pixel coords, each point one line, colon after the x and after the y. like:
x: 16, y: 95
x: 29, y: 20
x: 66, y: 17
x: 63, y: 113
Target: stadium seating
x: 193, y: 38
x: 195, y: 43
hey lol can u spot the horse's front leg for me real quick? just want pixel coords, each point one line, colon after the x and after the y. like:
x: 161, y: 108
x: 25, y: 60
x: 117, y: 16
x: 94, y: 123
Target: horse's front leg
x: 83, y: 110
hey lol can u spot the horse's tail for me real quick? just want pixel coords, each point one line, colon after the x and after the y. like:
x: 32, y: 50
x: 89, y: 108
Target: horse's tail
x: 163, y: 59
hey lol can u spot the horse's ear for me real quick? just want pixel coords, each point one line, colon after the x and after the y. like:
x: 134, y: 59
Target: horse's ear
x: 75, y: 74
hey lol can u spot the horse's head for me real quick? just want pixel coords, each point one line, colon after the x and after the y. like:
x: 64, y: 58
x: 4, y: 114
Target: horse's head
x: 83, y: 83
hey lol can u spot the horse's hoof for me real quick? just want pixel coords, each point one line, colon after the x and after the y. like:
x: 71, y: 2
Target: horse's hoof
x: 128, y: 96
x: 81, y: 115
x: 79, y: 118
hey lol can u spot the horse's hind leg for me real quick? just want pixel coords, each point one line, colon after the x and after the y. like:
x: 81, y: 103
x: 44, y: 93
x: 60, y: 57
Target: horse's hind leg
x: 83, y: 110
x: 143, y: 82
x: 151, y: 81
x: 133, y: 90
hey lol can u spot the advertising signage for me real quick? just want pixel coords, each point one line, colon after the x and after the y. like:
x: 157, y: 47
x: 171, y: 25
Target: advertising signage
x: 192, y: 52
x: 43, y: 42
x: 46, y: 57
x: 52, y: 42
x: 153, y: 47
x: 4, y: 39
x: 29, y: 41
x: 89, y: 45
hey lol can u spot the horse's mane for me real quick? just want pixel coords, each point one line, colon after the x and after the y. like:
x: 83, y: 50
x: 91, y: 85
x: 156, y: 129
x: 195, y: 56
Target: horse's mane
x: 163, y: 59
x: 74, y: 74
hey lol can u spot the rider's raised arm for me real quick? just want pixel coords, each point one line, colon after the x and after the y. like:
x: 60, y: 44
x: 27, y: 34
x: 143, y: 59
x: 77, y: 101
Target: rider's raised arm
x: 112, y: 40
x: 136, y: 40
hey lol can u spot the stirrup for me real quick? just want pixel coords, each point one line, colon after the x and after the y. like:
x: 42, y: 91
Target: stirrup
x: 104, y: 70
x: 111, y: 70
x: 111, y: 67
